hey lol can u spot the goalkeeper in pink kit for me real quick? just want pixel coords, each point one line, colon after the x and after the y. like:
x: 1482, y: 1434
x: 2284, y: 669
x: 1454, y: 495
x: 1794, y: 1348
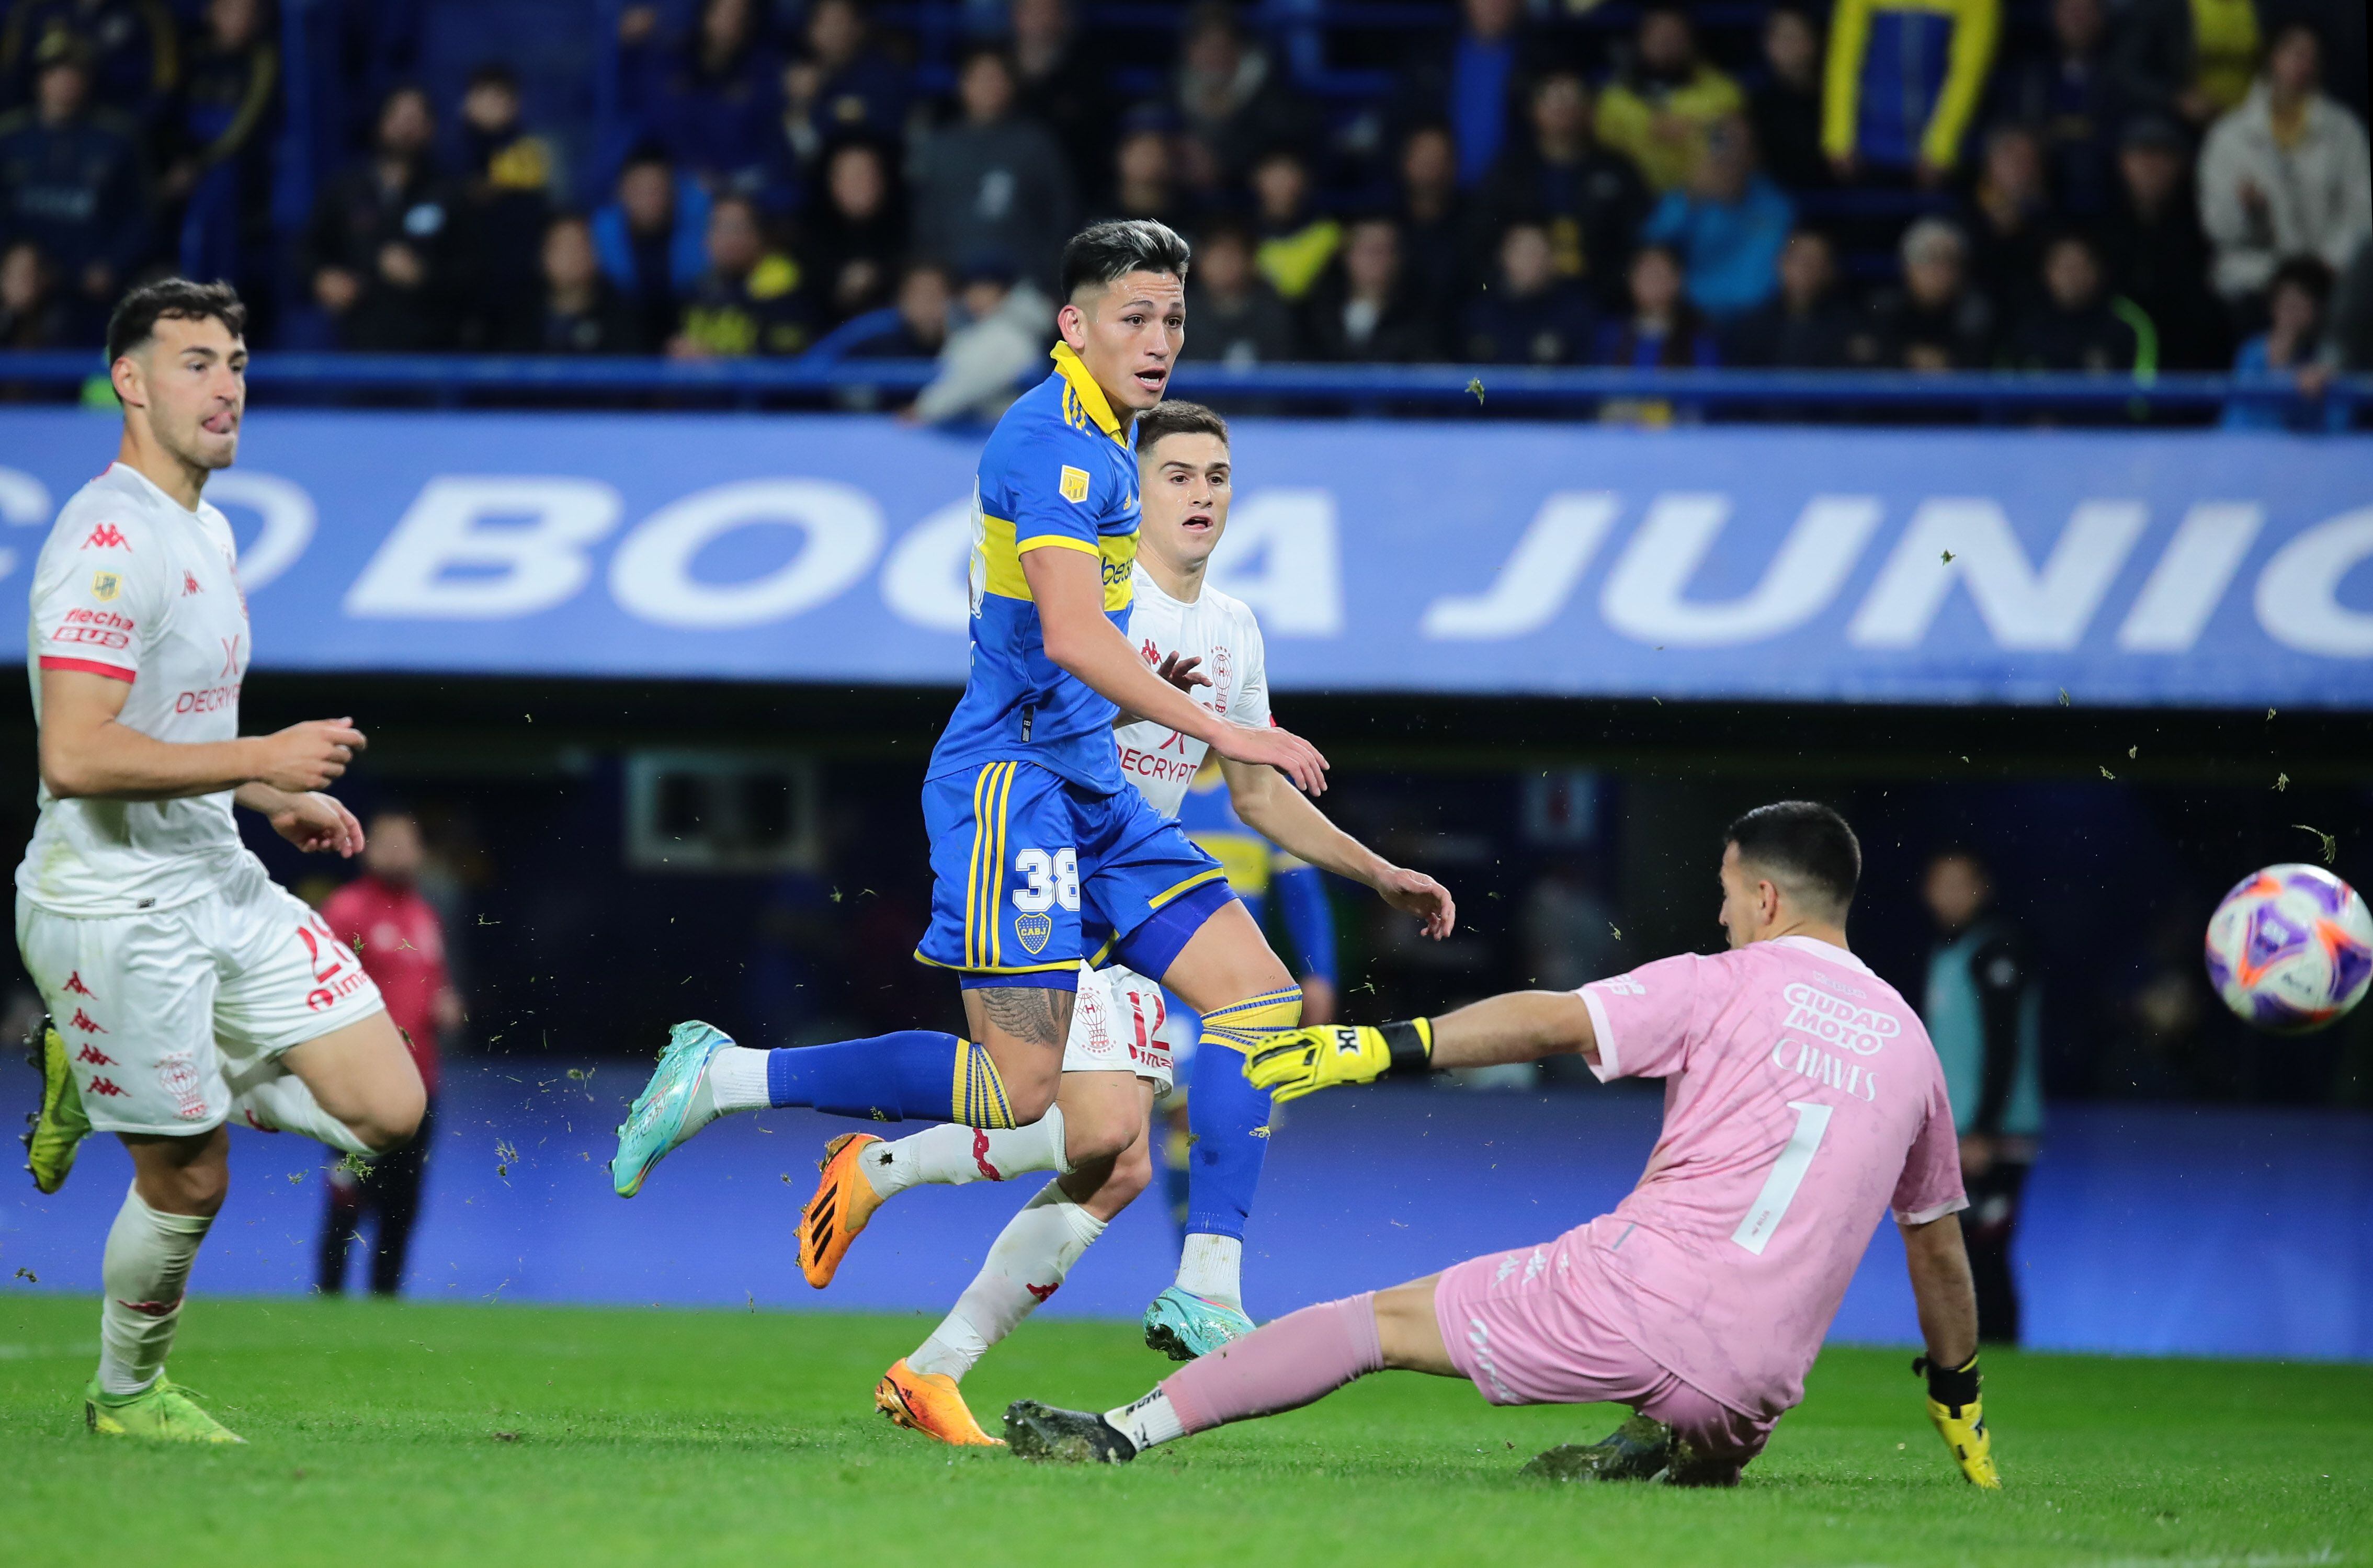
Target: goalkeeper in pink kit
x: 1802, y: 1100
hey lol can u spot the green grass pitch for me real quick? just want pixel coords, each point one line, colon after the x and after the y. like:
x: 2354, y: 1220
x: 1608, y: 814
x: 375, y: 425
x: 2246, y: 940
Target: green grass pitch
x: 502, y: 1437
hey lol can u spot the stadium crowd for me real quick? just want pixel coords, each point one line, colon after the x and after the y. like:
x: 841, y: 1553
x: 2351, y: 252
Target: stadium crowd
x: 2108, y: 185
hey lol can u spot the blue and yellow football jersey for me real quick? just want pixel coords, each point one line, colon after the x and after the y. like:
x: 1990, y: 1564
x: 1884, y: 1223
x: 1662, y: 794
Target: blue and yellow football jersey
x: 1057, y: 473
x: 1257, y: 870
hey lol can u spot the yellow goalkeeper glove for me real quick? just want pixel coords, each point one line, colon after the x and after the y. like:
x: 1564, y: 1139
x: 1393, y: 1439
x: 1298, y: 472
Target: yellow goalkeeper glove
x: 1959, y: 1418
x: 1295, y: 1062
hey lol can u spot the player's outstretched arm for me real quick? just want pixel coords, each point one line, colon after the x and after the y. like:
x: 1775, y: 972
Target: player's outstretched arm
x: 86, y: 752
x: 1067, y: 587
x: 1287, y: 819
x: 1517, y: 1026
x: 1947, y: 1300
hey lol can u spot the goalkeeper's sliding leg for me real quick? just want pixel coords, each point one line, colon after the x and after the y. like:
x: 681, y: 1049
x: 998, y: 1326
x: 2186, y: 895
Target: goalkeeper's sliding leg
x: 1519, y: 1332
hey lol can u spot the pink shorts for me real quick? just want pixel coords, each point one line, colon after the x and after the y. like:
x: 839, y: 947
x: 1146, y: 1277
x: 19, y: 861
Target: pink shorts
x: 1527, y: 1328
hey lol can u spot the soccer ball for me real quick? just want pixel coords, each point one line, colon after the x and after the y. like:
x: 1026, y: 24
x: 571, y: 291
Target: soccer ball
x: 2291, y: 948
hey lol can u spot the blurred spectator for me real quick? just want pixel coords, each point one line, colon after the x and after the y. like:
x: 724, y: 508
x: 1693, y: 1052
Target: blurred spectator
x: 1474, y: 84
x: 508, y: 178
x: 750, y: 300
x: 925, y: 301
x: 2067, y: 91
x: 1663, y: 329
x: 713, y: 100
x: 1983, y: 1010
x: 1144, y: 174
x: 70, y: 178
x: 1529, y: 314
x: 1233, y: 314
x: 2077, y: 324
x: 400, y: 942
x: 1234, y: 105
x: 132, y: 49
x: 2011, y: 209
x: 1660, y: 105
x: 1786, y: 106
x: 993, y: 183
x: 1936, y: 321
x: 2154, y: 251
x: 841, y: 85
x: 1008, y: 322
x: 1806, y: 326
x: 34, y: 312
x: 382, y: 250
x: 581, y: 312
x: 652, y: 240
x: 1902, y: 79
x: 1065, y: 79
x: 1590, y: 198
x: 2192, y: 59
x: 2296, y: 299
x: 1435, y: 222
x: 2286, y: 174
x: 220, y: 130
x: 1363, y: 307
x: 1727, y: 226
x: 858, y: 234
x: 1296, y: 243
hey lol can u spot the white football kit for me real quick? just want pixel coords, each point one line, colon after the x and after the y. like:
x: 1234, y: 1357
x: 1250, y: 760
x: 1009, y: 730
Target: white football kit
x: 1126, y: 1024
x: 167, y: 956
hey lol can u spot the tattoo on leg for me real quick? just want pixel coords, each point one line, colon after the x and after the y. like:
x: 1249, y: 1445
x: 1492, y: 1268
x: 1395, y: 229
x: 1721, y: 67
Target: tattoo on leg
x: 1037, y: 1015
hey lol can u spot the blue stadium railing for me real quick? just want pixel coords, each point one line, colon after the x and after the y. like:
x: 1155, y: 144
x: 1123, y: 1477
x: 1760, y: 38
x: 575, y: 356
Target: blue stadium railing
x: 456, y: 380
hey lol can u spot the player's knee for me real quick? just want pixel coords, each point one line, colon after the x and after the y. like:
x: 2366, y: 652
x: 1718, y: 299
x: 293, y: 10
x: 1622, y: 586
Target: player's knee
x: 1102, y: 1128
x: 391, y: 1124
x: 1133, y: 1173
x: 198, y: 1187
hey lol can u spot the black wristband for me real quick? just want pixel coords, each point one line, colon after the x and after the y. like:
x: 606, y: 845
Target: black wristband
x: 1412, y: 1045
x: 1952, y: 1387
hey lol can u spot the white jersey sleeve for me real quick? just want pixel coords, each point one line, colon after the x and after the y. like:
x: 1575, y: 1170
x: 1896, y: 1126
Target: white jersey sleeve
x: 1222, y: 632
x: 1251, y: 705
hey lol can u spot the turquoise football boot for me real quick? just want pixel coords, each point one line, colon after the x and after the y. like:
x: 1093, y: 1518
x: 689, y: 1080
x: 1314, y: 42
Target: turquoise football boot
x: 673, y: 1107
x: 1182, y: 1324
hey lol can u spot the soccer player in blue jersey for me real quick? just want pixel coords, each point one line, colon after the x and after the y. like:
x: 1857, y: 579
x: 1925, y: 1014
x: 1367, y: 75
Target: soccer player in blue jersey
x: 1041, y: 854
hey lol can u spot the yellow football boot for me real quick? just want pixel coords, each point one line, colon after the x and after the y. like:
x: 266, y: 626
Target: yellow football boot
x: 61, y: 1124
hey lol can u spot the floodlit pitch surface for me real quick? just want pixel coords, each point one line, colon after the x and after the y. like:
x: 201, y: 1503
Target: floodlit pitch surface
x: 510, y: 1436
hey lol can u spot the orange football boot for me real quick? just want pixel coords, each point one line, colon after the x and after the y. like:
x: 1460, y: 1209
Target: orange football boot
x: 844, y: 1200
x: 931, y: 1403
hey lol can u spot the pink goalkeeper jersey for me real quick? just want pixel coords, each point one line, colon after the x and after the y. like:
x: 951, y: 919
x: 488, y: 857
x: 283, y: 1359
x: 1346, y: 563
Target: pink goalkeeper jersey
x: 1802, y: 1101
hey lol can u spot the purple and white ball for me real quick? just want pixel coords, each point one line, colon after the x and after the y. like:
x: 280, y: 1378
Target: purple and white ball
x: 2291, y: 948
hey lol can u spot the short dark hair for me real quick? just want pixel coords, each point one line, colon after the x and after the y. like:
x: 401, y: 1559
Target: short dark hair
x: 1808, y: 844
x: 170, y: 298
x: 2308, y: 273
x: 1175, y: 416
x: 494, y: 74
x: 1107, y: 252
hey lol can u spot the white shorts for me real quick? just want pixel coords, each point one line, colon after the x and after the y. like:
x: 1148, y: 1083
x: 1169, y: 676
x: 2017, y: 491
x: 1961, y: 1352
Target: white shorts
x: 161, y: 1010
x: 1116, y: 1027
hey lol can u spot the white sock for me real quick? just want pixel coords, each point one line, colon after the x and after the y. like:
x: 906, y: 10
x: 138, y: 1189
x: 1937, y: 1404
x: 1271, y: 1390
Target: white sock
x: 1148, y: 1421
x: 737, y: 1080
x: 146, y: 1266
x: 270, y: 1096
x: 1213, y: 1267
x: 1030, y: 1257
x: 952, y: 1154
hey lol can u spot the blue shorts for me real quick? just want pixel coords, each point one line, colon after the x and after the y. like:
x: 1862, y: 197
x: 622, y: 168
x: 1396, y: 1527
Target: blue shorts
x: 1030, y: 873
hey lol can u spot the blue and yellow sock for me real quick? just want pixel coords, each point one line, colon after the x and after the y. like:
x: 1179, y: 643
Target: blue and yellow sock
x: 1230, y: 1117
x: 915, y: 1074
